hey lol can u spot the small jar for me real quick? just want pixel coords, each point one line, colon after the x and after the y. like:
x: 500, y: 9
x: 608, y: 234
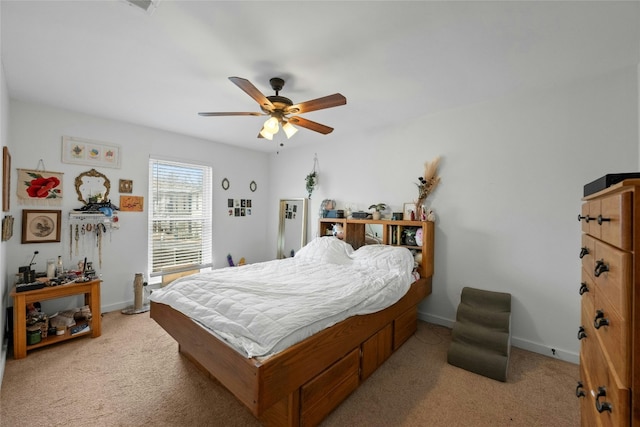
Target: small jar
x: 34, y: 335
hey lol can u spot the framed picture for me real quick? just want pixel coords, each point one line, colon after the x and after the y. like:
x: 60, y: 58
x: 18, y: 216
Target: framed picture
x: 407, y: 209
x: 126, y: 186
x: 6, y: 179
x: 7, y: 227
x: 89, y: 152
x: 131, y: 203
x: 40, y: 226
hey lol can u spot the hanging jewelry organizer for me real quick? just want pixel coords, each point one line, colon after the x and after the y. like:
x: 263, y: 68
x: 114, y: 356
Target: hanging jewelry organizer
x: 87, y: 230
x: 89, y: 224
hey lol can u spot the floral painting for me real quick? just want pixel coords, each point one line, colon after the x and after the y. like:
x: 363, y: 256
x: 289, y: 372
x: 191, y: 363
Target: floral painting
x: 89, y: 152
x: 37, y: 187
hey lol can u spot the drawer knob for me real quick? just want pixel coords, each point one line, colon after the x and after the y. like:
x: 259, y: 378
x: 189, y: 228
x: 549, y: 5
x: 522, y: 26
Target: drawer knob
x: 583, y: 288
x: 586, y: 218
x: 602, y: 406
x: 601, y: 219
x: 581, y: 333
x: 601, y: 267
x: 579, y: 390
x: 600, y: 320
x: 584, y: 251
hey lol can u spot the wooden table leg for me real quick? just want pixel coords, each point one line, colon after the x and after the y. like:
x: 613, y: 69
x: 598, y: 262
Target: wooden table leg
x: 19, y: 327
x: 94, y: 305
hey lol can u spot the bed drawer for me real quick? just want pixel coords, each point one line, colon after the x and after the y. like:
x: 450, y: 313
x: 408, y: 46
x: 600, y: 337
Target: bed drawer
x: 376, y: 350
x: 404, y: 326
x: 326, y: 391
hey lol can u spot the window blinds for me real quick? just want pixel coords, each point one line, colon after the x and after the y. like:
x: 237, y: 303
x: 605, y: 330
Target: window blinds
x: 179, y: 216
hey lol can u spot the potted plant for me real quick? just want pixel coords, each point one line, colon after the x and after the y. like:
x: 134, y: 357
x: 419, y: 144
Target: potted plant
x: 378, y: 208
x: 311, y: 182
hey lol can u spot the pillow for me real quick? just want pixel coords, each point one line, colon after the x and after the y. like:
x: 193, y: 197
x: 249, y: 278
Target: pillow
x: 326, y: 249
x: 384, y: 257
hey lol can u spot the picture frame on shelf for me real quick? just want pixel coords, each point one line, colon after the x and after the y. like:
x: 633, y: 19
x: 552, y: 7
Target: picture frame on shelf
x: 407, y: 208
x: 41, y: 226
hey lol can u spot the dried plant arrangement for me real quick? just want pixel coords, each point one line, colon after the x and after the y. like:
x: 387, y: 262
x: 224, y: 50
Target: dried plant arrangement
x: 428, y: 182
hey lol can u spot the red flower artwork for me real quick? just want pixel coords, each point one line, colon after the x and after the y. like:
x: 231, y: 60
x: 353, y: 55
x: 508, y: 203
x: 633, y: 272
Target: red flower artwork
x: 41, y: 187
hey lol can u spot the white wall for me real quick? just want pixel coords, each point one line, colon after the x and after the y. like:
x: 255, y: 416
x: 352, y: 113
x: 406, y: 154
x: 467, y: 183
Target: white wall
x: 4, y: 286
x: 36, y: 133
x: 512, y: 176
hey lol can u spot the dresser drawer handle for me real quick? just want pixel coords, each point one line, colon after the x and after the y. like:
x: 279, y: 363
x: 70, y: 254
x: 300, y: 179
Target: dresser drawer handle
x: 579, y: 391
x: 601, y: 267
x: 604, y: 406
x: 581, y: 333
x: 586, y: 218
x: 601, y: 219
x: 584, y: 251
x: 583, y: 288
x: 600, y: 320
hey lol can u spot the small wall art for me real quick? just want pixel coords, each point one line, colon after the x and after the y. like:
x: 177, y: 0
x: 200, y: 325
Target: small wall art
x: 126, y: 186
x: 41, y: 226
x: 88, y: 152
x: 239, y: 207
x: 7, y: 227
x: 131, y: 203
x: 39, y: 187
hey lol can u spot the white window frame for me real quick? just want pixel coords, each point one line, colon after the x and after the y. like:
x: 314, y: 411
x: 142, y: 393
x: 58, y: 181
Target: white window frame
x: 161, y: 216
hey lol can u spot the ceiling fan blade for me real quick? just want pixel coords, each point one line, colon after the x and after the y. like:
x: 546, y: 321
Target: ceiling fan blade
x: 317, y: 104
x: 253, y: 92
x: 317, y: 127
x: 230, y: 114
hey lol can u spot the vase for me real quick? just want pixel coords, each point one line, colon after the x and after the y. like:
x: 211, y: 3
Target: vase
x: 376, y: 215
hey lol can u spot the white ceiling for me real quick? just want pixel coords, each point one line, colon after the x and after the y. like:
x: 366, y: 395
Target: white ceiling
x: 393, y: 61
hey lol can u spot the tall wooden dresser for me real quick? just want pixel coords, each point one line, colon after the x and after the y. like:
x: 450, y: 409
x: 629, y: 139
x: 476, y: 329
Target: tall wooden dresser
x: 609, y: 385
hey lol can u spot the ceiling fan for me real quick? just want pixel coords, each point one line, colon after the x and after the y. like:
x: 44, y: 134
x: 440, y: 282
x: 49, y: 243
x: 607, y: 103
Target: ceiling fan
x: 282, y: 111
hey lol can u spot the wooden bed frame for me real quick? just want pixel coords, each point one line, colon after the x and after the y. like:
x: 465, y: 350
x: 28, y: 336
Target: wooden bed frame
x: 301, y: 385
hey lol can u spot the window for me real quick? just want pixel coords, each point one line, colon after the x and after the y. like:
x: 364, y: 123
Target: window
x: 179, y: 216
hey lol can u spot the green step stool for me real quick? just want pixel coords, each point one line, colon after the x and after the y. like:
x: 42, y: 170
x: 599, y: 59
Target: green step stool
x: 481, y: 335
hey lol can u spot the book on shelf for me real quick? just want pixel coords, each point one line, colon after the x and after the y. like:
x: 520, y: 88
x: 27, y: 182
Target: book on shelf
x: 79, y: 329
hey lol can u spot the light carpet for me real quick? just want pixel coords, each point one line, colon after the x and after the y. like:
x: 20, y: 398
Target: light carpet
x: 133, y: 375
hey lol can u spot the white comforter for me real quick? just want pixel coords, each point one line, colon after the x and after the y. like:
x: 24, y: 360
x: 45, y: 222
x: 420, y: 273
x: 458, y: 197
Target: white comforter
x: 263, y: 308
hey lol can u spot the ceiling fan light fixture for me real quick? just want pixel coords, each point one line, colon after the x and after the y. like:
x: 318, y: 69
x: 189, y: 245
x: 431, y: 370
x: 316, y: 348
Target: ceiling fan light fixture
x: 289, y: 129
x: 266, y: 134
x: 271, y: 125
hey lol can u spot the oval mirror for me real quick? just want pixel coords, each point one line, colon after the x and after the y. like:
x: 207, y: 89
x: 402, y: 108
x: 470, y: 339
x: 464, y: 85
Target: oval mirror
x: 92, y: 187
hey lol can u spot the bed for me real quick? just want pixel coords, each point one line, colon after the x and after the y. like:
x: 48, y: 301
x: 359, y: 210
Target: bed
x: 290, y: 363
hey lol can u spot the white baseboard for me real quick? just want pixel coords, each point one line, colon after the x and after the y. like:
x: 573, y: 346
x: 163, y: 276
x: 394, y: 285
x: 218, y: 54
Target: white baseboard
x: 556, y: 353
x: 116, y: 307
